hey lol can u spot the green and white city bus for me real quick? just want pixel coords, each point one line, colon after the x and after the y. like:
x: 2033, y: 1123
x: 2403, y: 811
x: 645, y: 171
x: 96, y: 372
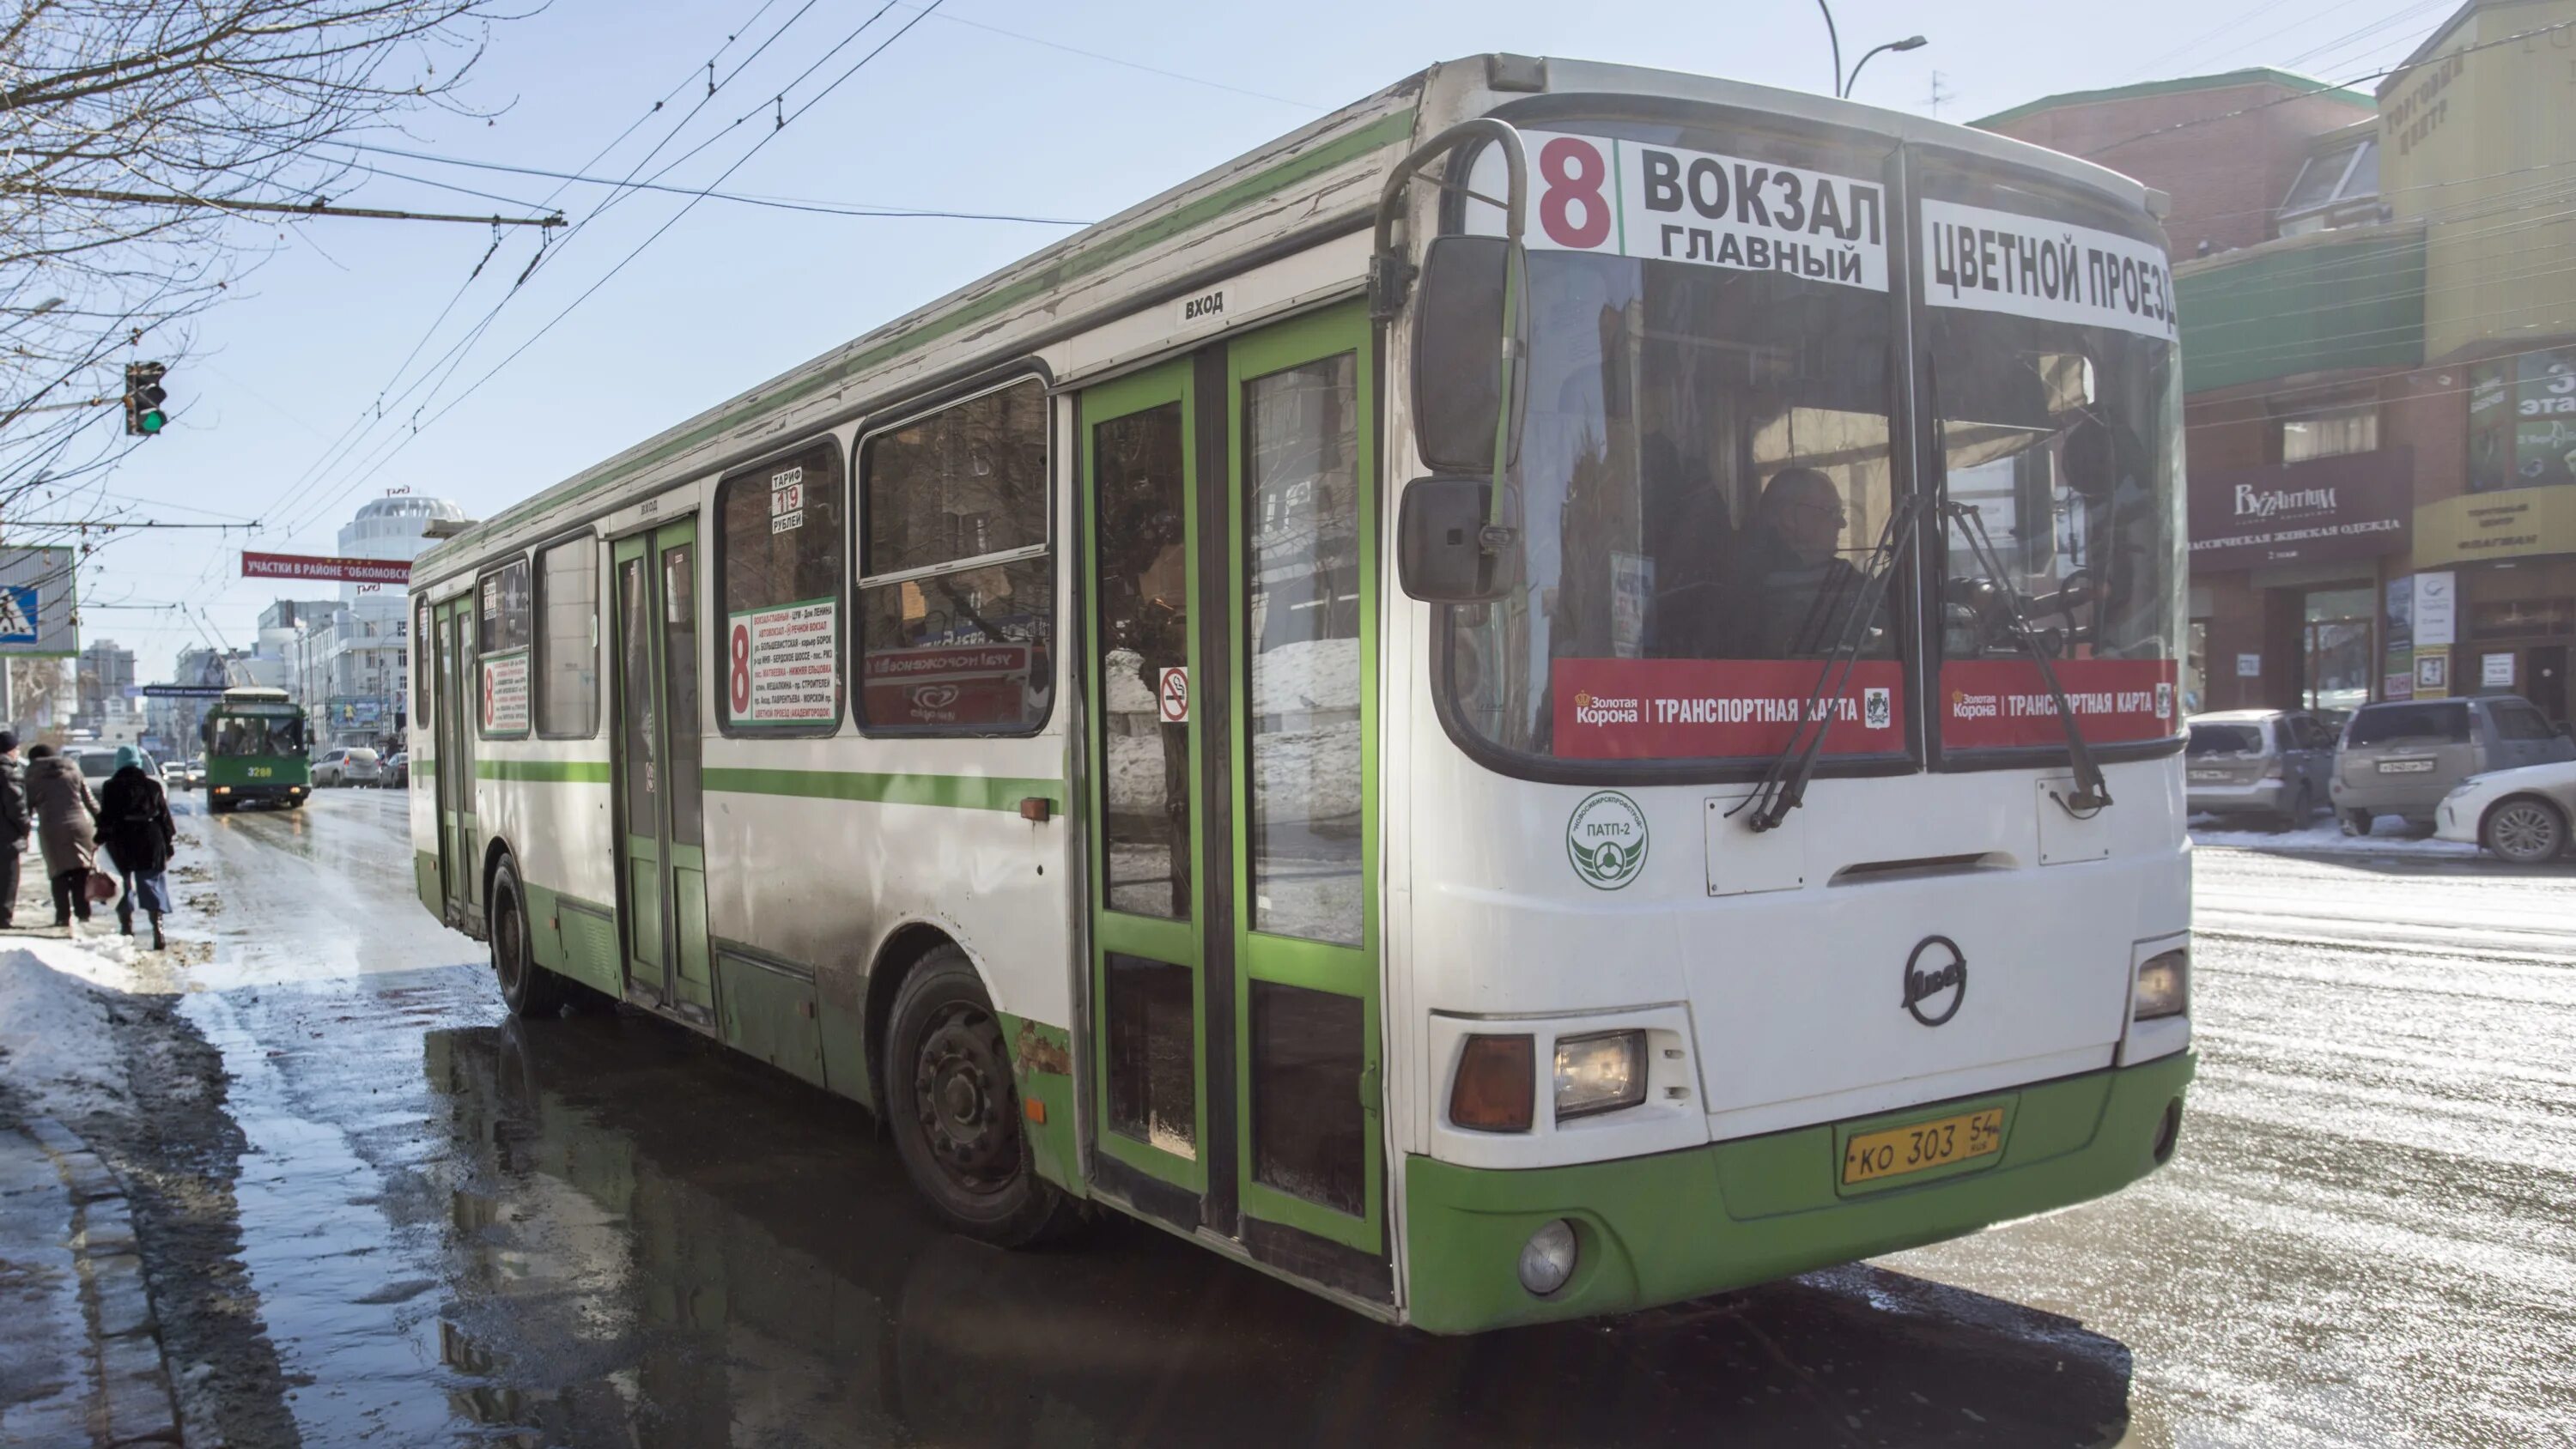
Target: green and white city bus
x: 255, y: 743
x: 1551, y: 694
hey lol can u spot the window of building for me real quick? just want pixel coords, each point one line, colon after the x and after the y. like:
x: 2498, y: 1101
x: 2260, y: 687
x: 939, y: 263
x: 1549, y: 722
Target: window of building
x: 2329, y: 187
x: 957, y: 592
x: 780, y: 565
x: 568, y: 610
x: 2330, y: 434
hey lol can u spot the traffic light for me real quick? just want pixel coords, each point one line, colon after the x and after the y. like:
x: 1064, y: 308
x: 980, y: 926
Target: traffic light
x: 143, y: 397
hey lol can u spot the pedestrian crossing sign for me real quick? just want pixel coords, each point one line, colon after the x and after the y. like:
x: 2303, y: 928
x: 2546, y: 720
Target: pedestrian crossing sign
x: 18, y: 614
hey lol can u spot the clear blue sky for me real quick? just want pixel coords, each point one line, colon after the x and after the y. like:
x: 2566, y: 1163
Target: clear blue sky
x: 953, y: 115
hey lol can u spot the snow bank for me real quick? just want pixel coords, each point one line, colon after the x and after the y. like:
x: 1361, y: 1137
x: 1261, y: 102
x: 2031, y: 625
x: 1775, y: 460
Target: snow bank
x: 54, y: 1041
x: 2388, y: 839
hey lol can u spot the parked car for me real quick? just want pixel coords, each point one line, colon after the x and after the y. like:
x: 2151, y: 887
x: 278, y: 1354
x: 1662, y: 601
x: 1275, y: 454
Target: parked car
x: 2518, y: 815
x: 2401, y: 758
x: 96, y: 762
x: 347, y: 767
x: 2273, y: 763
x: 397, y: 772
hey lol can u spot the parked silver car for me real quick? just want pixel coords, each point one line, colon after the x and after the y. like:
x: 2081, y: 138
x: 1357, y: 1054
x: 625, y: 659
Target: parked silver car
x: 2275, y: 764
x: 347, y: 767
x: 2401, y: 758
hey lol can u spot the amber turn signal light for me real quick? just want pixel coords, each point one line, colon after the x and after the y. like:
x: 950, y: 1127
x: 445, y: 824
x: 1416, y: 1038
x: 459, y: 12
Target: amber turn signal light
x: 1497, y: 1085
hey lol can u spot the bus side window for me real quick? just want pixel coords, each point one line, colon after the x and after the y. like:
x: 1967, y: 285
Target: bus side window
x: 568, y: 640
x: 957, y: 577
x: 780, y: 574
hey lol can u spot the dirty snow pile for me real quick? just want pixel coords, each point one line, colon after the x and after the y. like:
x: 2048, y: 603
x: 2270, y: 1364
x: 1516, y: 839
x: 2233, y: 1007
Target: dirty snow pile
x: 2328, y: 838
x: 54, y: 1042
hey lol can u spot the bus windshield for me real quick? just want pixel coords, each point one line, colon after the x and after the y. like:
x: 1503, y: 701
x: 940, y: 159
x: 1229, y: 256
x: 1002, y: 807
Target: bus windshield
x: 2049, y: 366
x: 1704, y: 470
x: 236, y: 736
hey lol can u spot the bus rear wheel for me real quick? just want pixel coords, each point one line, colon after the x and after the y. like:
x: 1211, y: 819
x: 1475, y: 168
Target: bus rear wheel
x: 955, y: 1113
x: 530, y: 989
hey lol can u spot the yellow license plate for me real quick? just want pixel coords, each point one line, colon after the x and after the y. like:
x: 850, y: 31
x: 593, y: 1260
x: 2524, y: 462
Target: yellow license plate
x: 1870, y: 1156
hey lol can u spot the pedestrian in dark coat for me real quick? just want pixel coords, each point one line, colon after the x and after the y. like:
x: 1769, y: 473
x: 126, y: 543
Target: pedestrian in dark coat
x: 14, y: 824
x: 66, y: 827
x: 135, y: 826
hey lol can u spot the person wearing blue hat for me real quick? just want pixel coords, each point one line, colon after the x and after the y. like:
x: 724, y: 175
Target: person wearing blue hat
x: 135, y: 826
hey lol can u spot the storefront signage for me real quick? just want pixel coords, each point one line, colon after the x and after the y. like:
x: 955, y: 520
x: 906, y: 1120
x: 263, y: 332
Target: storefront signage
x: 2432, y: 673
x: 2249, y: 666
x: 2437, y: 610
x: 2522, y: 421
x: 2495, y: 671
x: 2322, y: 510
x: 2516, y: 523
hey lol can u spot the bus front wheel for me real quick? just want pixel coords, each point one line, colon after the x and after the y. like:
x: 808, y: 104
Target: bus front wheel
x: 530, y: 989
x: 954, y: 1112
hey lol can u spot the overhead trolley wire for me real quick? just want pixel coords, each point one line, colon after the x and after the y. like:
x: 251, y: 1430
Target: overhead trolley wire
x: 785, y: 119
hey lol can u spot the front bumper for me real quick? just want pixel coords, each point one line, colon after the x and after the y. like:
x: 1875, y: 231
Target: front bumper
x: 2264, y: 797
x: 1682, y: 1224
x: 256, y: 794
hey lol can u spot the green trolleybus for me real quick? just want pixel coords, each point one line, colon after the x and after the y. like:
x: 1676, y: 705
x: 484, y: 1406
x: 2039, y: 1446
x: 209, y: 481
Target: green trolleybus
x: 255, y: 751
x: 1551, y: 694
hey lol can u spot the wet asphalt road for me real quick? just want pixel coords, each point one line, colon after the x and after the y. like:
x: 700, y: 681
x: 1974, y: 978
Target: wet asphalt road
x: 599, y: 1230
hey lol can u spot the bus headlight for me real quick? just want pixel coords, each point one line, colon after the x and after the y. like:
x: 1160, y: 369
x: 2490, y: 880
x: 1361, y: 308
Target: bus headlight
x: 2163, y: 987
x: 1547, y: 1259
x: 1600, y: 1073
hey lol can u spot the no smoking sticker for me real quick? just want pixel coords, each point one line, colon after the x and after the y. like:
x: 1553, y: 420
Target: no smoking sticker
x: 1172, y: 696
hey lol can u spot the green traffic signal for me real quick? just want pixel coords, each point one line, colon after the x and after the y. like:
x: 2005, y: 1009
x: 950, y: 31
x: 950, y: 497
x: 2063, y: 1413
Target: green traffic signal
x: 143, y: 398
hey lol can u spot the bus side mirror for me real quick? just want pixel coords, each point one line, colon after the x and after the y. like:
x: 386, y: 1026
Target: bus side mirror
x: 1472, y: 313
x: 1445, y: 551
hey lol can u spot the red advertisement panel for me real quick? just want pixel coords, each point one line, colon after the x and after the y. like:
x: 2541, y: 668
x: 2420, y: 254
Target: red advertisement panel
x: 1996, y: 703
x: 1680, y: 709
x: 981, y: 684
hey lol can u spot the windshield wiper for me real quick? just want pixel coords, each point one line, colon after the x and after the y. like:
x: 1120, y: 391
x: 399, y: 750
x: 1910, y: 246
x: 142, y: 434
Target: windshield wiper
x: 2092, y: 791
x: 1784, y: 785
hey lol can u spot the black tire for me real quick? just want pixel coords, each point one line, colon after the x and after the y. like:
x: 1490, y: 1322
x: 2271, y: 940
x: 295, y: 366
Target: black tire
x: 2524, y: 830
x: 530, y: 989
x: 2357, y: 822
x: 955, y: 1111
x: 220, y: 807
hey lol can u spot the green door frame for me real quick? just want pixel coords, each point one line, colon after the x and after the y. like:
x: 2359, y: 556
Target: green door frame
x: 1216, y: 718
x: 455, y: 723
x: 661, y: 863
x: 1178, y: 943
x: 1314, y: 965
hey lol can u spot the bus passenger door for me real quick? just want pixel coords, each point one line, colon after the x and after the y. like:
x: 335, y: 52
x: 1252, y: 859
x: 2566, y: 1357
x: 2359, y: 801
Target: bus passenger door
x: 661, y: 850
x: 1302, y: 701
x: 453, y: 726
x: 1231, y: 732
x: 1148, y: 890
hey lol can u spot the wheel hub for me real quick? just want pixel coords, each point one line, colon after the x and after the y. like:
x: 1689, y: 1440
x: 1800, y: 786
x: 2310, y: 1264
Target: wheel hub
x: 961, y: 1091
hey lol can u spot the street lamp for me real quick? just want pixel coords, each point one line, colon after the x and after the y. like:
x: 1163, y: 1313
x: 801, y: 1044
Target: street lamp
x: 1911, y: 42
x: 1843, y: 84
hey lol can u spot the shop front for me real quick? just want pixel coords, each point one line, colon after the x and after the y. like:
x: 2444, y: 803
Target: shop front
x: 2507, y: 562
x: 2288, y: 562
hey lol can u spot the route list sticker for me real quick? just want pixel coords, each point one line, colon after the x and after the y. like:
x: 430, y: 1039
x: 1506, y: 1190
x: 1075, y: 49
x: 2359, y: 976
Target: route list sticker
x: 505, y: 693
x: 779, y: 665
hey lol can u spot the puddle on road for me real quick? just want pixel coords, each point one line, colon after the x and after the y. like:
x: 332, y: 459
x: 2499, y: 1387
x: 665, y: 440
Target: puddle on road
x: 601, y: 1230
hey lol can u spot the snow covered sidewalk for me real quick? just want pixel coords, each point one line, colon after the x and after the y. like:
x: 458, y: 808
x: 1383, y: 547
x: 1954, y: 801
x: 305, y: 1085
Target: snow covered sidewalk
x: 2328, y: 838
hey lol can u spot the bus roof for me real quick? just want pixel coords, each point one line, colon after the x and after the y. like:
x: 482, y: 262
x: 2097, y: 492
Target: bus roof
x: 1309, y: 186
